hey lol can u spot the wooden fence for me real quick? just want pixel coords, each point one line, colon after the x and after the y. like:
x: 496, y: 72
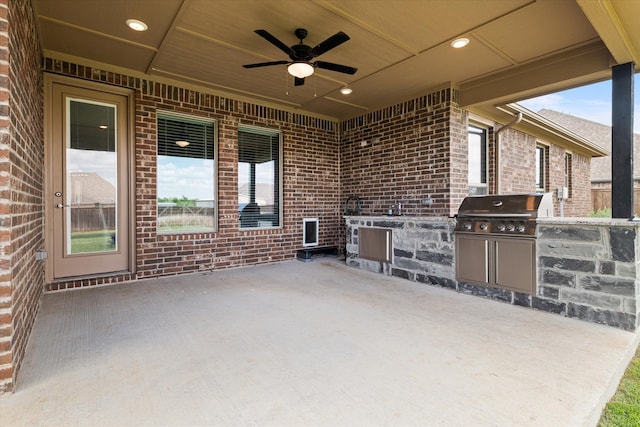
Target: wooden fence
x: 601, y: 199
x: 102, y: 217
x: 93, y: 217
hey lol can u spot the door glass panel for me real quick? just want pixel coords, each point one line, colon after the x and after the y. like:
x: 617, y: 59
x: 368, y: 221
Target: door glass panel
x: 91, y: 172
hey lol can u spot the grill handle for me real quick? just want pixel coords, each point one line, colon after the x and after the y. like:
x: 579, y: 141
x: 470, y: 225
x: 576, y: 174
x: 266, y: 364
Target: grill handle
x: 488, y: 216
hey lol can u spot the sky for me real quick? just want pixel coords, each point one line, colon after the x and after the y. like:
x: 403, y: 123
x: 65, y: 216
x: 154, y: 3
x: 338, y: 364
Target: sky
x: 592, y: 102
x: 185, y: 177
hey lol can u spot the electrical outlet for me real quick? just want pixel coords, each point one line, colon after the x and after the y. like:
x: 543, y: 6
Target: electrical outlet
x: 428, y: 201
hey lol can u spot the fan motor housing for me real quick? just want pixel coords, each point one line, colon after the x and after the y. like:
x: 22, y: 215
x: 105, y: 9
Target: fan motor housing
x: 302, y: 52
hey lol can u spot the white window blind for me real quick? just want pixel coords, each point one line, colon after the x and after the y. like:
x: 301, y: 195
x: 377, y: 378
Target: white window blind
x: 259, y: 177
x: 186, y: 174
x: 199, y: 135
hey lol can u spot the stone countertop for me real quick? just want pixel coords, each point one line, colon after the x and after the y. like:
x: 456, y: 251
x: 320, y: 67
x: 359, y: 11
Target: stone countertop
x: 618, y: 222
x: 583, y: 221
x: 400, y: 218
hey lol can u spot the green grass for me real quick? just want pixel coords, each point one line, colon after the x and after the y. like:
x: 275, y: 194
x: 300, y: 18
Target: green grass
x: 623, y: 410
x: 184, y: 229
x: 602, y: 213
x: 91, y: 241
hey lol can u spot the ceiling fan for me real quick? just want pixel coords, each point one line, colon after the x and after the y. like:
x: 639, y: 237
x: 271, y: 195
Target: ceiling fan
x: 300, y: 65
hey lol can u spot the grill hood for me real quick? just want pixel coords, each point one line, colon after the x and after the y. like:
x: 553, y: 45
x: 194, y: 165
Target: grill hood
x: 538, y: 205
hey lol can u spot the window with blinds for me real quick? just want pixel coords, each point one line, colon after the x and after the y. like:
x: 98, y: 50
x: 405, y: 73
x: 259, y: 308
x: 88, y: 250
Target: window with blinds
x: 541, y: 168
x: 186, y: 174
x: 568, y: 173
x: 259, y: 177
x: 477, y: 138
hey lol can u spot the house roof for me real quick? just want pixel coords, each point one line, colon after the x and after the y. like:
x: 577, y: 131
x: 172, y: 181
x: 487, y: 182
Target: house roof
x: 549, y: 130
x: 89, y: 188
x: 597, y: 133
x: 518, y: 48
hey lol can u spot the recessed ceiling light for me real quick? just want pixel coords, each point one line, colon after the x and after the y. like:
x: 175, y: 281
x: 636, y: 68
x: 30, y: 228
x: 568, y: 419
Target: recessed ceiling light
x: 137, y: 25
x: 346, y: 90
x: 460, y: 42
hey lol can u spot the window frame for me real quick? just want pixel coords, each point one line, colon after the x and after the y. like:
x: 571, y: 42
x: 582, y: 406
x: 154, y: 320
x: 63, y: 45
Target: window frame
x: 568, y: 172
x: 542, y: 172
x: 271, y: 132
x: 193, y: 119
x: 483, y: 131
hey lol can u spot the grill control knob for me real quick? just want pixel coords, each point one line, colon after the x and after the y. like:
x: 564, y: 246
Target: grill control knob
x: 483, y: 226
x: 467, y: 226
x: 520, y: 228
x: 500, y: 227
x: 511, y: 227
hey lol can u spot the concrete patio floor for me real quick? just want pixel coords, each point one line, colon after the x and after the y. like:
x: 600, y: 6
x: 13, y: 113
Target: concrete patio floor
x: 308, y: 344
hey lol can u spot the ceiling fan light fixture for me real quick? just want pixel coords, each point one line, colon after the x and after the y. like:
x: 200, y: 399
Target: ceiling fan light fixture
x: 182, y: 144
x: 136, y: 25
x: 459, y: 42
x: 346, y: 90
x: 300, y: 69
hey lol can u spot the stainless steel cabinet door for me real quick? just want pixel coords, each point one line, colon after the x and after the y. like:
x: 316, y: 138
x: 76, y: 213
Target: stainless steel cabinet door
x: 473, y: 259
x: 515, y: 265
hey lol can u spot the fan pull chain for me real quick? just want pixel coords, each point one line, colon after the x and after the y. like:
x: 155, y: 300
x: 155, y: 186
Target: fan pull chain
x: 286, y: 82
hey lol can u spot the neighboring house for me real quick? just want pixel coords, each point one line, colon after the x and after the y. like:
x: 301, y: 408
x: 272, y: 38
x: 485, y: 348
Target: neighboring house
x: 600, y: 166
x: 90, y: 188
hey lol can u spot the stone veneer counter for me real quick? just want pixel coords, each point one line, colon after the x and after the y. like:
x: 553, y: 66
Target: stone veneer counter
x: 586, y: 268
x: 590, y: 268
x: 423, y: 248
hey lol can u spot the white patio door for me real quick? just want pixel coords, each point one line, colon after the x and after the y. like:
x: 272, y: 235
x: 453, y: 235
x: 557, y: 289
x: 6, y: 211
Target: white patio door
x: 89, y: 200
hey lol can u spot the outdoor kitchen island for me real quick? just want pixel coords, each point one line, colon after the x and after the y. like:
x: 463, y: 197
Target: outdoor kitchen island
x: 586, y: 268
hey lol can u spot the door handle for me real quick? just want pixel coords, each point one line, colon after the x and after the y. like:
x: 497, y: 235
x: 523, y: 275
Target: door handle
x: 59, y: 205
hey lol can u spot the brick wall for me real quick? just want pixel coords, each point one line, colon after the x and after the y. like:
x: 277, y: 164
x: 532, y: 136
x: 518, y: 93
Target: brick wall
x: 404, y: 153
x: 579, y: 202
x: 459, y: 154
x: 21, y: 184
x: 417, y: 148
x: 310, y: 181
x: 517, y: 156
x: 518, y: 162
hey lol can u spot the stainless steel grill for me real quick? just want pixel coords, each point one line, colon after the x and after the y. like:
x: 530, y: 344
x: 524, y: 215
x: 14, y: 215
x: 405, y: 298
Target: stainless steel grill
x: 513, y: 214
x: 495, y: 240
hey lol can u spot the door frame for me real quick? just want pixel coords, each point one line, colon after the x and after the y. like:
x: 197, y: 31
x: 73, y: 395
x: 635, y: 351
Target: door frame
x: 49, y: 199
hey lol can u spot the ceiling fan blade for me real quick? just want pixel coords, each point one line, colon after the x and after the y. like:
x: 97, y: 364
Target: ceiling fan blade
x: 265, y: 64
x: 333, y: 41
x: 335, y: 67
x: 297, y: 81
x: 274, y: 41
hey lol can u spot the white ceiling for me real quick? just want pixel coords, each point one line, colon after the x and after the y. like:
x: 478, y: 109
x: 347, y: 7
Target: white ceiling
x: 518, y: 49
